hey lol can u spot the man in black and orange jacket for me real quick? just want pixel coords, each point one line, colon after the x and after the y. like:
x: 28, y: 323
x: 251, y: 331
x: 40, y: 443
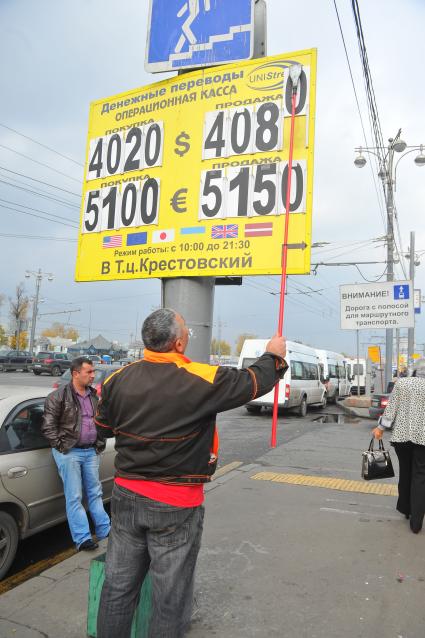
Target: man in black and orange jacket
x: 162, y: 411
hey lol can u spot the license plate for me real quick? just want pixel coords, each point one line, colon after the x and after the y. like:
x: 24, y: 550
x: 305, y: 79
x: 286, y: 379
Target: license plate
x: 37, y: 365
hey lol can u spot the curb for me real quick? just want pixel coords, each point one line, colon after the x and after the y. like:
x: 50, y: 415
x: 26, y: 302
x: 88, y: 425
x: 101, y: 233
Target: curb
x: 352, y: 412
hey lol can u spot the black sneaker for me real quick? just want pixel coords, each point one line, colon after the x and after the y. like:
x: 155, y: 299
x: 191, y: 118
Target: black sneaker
x: 88, y: 546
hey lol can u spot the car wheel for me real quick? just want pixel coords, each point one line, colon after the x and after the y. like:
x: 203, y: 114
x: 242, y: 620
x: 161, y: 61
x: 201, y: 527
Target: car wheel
x: 9, y: 538
x: 253, y: 409
x: 56, y: 371
x: 324, y: 402
x: 37, y: 372
x: 302, y: 408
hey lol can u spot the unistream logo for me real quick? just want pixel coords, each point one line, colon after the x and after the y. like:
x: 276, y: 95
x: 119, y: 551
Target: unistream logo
x: 269, y: 76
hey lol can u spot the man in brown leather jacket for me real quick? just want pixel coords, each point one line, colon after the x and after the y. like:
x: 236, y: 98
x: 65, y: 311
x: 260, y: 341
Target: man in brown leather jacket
x: 68, y: 425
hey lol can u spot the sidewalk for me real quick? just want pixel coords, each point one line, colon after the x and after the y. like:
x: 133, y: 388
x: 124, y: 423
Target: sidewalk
x: 278, y: 559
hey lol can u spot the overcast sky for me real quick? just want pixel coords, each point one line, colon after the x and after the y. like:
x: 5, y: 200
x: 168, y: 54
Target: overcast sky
x: 57, y: 56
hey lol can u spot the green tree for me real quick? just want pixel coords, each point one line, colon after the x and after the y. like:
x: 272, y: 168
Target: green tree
x: 240, y: 341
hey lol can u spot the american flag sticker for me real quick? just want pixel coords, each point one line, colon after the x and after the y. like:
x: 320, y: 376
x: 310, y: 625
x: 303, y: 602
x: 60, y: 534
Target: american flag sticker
x: 229, y: 231
x: 113, y: 241
x: 259, y: 230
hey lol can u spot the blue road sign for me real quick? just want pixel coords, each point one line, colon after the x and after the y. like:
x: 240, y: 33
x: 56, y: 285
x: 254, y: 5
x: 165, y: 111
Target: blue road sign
x: 184, y: 34
x: 401, y: 291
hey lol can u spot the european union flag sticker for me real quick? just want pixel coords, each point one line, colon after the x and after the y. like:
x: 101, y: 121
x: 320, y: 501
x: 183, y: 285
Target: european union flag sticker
x: 136, y: 239
x: 401, y: 291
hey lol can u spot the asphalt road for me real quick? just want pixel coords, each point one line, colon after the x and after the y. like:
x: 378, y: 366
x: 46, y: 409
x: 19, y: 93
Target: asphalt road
x: 243, y: 438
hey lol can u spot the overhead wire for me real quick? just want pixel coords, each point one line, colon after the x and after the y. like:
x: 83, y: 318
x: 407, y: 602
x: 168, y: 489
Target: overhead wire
x: 375, y: 121
x: 348, y: 252
x: 33, y: 179
x: 55, y: 170
x: 43, y: 194
x: 371, y: 281
x: 103, y: 299
x: 399, y: 252
x: 316, y: 309
x: 52, y: 150
x: 370, y: 91
x: 38, y: 237
x: 309, y: 291
x: 37, y: 210
x: 380, y: 204
x: 24, y: 212
x: 268, y: 292
x: 356, y: 245
x: 322, y: 298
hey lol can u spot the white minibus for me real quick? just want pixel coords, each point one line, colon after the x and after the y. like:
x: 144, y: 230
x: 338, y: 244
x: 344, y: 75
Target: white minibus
x: 357, y: 374
x: 300, y: 387
x: 335, y: 374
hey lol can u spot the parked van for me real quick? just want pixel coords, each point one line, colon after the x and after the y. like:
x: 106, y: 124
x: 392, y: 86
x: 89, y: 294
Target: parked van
x: 334, y: 373
x: 301, y: 385
x: 357, y: 371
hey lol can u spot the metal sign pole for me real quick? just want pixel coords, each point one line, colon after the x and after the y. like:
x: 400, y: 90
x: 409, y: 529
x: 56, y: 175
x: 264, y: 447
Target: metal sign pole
x: 295, y: 72
x: 358, y: 363
x: 193, y: 297
x: 411, y: 331
x: 381, y: 371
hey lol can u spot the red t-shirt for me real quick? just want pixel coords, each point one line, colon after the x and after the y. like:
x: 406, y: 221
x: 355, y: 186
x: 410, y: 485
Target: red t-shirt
x: 177, y: 495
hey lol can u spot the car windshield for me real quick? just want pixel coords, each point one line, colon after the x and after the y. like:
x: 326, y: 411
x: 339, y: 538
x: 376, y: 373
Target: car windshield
x: 44, y: 355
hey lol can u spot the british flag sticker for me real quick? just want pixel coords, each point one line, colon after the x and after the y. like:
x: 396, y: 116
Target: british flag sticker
x: 226, y: 231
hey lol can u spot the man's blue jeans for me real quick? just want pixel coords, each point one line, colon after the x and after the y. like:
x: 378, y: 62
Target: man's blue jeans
x: 79, y: 470
x: 149, y: 536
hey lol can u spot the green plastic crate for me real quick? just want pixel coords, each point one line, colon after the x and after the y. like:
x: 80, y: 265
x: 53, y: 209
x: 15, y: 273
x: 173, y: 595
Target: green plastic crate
x: 142, y: 614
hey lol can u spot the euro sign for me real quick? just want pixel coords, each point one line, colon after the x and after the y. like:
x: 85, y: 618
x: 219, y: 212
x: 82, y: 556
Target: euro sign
x: 178, y: 201
x: 180, y: 141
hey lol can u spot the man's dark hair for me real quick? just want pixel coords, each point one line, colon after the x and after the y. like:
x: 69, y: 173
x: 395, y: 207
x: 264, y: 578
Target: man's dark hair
x: 78, y: 362
x: 160, y: 330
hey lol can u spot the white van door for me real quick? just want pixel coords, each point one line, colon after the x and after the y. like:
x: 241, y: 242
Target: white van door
x: 315, y: 389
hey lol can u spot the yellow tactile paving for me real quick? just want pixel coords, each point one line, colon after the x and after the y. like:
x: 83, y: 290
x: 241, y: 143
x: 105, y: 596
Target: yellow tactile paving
x: 330, y: 483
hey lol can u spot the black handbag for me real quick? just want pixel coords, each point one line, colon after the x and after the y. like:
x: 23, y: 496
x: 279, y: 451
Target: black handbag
x: 376, y: 464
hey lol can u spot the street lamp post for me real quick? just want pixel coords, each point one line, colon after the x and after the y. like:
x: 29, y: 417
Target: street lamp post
x: 39, y: 275
x: 387, y: 172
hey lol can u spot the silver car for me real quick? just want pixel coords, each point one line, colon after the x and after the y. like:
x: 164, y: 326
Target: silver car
x: 31, y: 492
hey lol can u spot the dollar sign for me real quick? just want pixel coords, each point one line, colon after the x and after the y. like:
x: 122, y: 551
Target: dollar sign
x: 180, y: 141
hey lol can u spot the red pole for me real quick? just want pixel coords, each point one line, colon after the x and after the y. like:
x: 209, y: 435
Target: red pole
x: 284, y: 259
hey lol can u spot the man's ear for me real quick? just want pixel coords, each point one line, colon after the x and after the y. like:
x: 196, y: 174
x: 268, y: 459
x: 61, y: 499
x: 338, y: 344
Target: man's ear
x: 178, y: 345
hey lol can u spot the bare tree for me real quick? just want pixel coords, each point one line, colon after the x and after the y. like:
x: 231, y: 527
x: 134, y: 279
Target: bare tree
x: 240, y: 341
x: 18, y: 312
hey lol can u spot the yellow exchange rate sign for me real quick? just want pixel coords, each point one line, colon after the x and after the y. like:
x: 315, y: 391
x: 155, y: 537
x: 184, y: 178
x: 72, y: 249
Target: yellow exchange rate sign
x: 187, y: 177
